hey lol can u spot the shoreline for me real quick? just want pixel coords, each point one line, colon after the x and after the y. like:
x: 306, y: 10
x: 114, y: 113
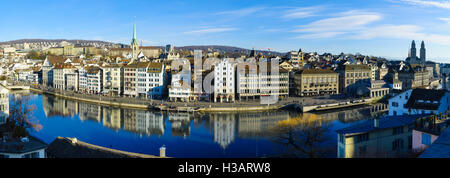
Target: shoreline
x: 205, y: 107
x: 163, y: 108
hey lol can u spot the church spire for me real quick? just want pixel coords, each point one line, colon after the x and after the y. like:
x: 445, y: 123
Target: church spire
x: 134, y: 39
x: 422, y: 52
x: 134, y: 43
x: 412, y: 51
x: 134, y: 30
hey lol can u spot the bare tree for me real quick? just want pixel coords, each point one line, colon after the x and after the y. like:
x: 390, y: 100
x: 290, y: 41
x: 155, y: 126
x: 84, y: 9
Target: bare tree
x: 302, y: 136
x: 21, y: 116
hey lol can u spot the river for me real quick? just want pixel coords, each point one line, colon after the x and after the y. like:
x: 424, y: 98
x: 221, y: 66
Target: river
x: 197, y: 135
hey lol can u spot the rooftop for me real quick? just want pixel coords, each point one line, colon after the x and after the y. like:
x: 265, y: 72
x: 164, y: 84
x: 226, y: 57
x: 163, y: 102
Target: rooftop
x: 317, y: 71
x: 16, y: 145
x: 440, y: 148
x: 419, y: 97
x: 384, y: 123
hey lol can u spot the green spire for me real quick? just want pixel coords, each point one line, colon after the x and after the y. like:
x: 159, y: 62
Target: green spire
x: 134, y: 40
x: 134, y: 29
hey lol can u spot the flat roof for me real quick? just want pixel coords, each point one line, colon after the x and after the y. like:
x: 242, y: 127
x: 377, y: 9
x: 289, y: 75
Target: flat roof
x: 384, y: 123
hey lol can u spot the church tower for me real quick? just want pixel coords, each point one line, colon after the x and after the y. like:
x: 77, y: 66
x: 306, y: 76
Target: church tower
x: 134, y: 44
x: 422, y: 52
x: 412, y: 51
x: 301, y: 56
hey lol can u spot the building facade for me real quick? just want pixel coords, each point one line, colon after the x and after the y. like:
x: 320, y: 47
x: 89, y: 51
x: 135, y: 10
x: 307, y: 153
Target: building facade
x: 224, y: 74
x: 315, y: 82
x: 353, y: 78
x: 419, y: 101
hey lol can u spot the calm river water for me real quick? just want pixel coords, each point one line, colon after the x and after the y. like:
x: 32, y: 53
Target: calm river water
x: 194, y: 135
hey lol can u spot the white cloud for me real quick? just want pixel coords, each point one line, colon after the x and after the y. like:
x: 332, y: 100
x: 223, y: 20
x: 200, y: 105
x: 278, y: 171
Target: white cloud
x: 400, y: 32
x: 319, y: 35
x: 242, y: 12
x: 439, y: 4
x: 359, y: 25
x: 210, y: 30
x: 350, y: 21
x: 447, y: 20
x: 303, y: 12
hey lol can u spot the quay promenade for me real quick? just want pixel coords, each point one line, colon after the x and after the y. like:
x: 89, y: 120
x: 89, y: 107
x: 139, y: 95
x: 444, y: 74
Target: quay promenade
x: 303, y: 104
x: 63, y: 147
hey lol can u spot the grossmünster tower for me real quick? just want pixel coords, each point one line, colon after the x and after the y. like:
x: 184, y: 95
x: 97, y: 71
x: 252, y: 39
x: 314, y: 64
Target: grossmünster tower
x: 412, y: 56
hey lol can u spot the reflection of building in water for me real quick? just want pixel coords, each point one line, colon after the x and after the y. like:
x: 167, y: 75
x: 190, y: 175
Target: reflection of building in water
x: 149, y: 123
x: 112, y: 118
x: 129, y: 120
x: 180, y: 124
x: 89, y: 112
x: 350, y: 115
x: 4, y: 104
x: 224, y: 128
x: 155, y: 124
x: 258, y: 124
x: 54, y: 106
x: 389, y: 136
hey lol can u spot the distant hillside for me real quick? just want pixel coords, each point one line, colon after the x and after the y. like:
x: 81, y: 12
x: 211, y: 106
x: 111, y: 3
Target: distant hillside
x: 229, y: 49
x: 21, y: 41
x: 226, y: 49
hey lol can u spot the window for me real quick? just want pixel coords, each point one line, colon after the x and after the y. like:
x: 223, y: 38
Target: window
x: 426, y: 139
x: 398, y: 130
x: 362, y: 137
x: 394, y: 104
x: 397, y: 144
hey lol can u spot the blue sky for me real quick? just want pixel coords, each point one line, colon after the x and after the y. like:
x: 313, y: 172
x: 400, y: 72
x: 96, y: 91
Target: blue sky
x: 373, y: 27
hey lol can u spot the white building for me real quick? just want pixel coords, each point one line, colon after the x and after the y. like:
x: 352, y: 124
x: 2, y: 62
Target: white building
x: 151, y: 80
x: 72, y: 81
x: 180, y: 88
x: 95, y: 80
x: 419, y: 101
x: 59, y: 75
x: 224, y: 74
x: 82, y: 80
x: 156, y: 77
x: 113, y: 75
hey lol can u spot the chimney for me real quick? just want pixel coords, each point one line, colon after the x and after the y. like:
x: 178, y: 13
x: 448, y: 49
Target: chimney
x: 162, y: 151
x: 376, y: 123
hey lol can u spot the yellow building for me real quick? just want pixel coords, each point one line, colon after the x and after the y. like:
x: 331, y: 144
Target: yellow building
x: 71, y: 50
x: 313, y: 82
x: 353, y: 77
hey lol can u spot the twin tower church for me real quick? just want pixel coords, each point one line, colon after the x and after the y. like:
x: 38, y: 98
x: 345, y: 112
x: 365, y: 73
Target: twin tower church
x: 412, y: 56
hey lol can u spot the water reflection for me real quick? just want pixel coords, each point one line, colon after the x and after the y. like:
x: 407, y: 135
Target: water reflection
x: 290, y: 134
x: 180, y: 124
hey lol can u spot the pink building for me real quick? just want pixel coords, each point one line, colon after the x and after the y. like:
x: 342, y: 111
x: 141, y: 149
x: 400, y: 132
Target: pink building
x: 422, y: 140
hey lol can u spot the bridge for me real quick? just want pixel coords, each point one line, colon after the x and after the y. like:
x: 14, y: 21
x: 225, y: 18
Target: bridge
x: 330, y: 106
